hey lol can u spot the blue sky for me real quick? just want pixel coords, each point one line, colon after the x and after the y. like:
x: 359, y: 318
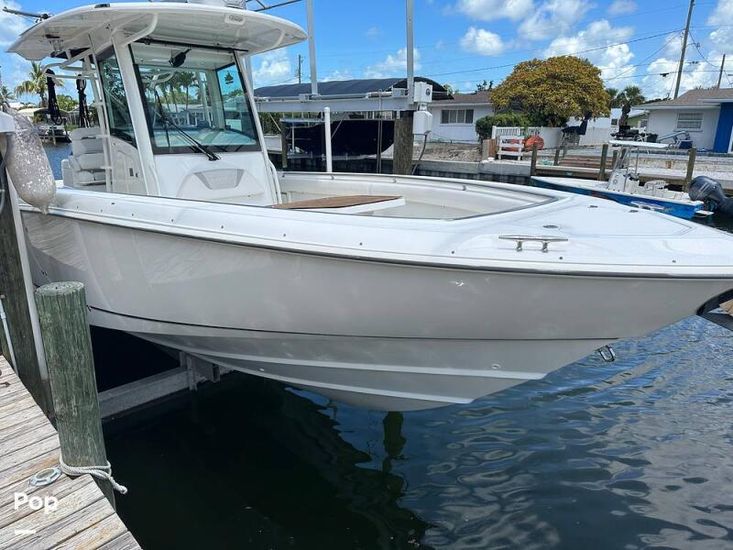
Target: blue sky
x: 462, y: 42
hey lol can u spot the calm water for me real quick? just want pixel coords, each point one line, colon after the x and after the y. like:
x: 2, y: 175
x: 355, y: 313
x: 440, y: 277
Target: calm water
x: 632, y: 454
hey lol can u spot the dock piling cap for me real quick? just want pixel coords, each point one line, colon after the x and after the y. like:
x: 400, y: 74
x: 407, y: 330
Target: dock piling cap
x: 62, y: 288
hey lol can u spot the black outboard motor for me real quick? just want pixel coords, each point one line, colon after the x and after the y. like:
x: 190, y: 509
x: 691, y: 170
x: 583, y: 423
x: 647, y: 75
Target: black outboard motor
x: 706, y: 189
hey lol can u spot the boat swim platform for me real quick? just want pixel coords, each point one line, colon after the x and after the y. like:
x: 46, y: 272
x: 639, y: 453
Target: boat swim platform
x: 68, y: 513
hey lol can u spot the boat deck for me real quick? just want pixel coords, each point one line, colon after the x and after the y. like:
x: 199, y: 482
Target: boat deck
x: 83, y: 517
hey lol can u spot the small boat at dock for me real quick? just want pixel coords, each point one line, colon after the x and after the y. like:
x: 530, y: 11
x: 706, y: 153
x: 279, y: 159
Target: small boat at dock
x: 384, y: 291
x: 625, y: 187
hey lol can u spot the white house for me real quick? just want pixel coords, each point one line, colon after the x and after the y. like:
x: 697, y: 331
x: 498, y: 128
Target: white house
x: 455, y: 119
x: 706, y: 114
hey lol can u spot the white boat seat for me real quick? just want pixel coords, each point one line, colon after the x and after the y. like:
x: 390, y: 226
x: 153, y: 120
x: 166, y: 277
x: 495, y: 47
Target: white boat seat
x: 345, y: 204
x: 81, y: 133
x: 89, y: 161
x: 89, y: 177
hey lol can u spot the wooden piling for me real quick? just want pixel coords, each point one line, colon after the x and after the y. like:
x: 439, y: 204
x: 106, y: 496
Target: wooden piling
x: 614, y: 158
x: 283, y: 146
x: 533, y: 163
x: 602, y: 168
x: 403, y: 144
x: 15, y: 302
x: 62, y: 311
x: 691, y: 157
x: 556, y: 162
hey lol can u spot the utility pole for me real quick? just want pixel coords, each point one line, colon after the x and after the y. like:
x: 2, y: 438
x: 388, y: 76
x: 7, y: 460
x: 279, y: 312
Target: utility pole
x: 300, y: 69
x: 722, y: 68
x: 684, y: 47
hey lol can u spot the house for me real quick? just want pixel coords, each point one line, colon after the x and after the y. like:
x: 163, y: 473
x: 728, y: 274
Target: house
x: 454, y: 118
x: 706, y: 114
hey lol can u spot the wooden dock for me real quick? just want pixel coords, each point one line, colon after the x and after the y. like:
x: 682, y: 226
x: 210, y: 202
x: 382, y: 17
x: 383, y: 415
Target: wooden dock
x: 68, y: 513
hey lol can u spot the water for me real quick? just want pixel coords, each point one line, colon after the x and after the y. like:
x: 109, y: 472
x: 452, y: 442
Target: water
x: 632, y: 454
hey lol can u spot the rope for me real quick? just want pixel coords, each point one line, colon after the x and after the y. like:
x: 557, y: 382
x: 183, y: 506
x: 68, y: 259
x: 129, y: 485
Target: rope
x: 100, y: 472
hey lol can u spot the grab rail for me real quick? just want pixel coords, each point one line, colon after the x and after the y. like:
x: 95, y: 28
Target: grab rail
x: 544, y: 239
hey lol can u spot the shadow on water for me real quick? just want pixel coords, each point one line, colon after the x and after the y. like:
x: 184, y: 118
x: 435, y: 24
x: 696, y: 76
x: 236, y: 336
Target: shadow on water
x: 248, y: 464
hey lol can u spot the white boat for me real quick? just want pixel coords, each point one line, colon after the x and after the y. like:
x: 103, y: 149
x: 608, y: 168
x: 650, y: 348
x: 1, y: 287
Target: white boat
x: 390, y: 292
x: 625, y: 187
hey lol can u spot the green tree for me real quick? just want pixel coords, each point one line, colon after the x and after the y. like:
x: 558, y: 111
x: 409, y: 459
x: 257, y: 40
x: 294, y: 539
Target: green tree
x: 552, y: 90
x: 631, y: 94
x: 67, y: 103
x: 485, y: 124
x: 35, y: 83
x: 5, y: 95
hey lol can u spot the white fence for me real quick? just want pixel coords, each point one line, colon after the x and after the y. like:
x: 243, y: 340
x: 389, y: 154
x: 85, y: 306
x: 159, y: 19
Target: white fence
x: 553, y: 136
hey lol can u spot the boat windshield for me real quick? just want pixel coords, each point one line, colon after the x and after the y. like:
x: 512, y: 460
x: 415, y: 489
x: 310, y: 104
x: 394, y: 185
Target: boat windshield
x: 194, y: 99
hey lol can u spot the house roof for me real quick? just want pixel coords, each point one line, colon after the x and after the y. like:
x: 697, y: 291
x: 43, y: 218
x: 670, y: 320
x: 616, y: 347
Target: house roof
x: 698, y: 98
x: 361, y: 86
x: 476, y: 98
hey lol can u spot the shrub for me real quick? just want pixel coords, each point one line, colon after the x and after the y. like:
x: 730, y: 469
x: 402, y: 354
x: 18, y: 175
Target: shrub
x: 485, y: 124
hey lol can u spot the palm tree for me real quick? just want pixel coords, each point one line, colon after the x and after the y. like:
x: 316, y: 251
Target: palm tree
x: 5, y: 95
x: 631, y: 94
x: 36, y: 83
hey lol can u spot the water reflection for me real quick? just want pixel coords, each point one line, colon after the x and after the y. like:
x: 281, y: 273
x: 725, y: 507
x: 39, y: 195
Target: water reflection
x: 247, y: 463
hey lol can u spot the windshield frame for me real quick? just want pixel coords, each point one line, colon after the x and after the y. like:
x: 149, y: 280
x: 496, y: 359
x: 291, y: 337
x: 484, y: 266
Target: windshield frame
x: 190, y: 148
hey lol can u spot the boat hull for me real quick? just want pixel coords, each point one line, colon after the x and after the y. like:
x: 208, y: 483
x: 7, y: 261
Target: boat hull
x: 383, y: 335
x: 672, y: 208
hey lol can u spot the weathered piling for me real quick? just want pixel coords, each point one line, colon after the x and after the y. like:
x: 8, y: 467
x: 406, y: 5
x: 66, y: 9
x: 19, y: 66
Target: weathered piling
x: 14, y: 296
x: 533, y: 163
x: 602, y: 168
x: 691, y: 157
x: 62, y: 311
x: 403, y: 144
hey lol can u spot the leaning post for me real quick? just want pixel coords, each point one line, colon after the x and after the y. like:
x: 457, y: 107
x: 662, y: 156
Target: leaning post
x: 62, y: 311
x: 602, y: 168
x: 691, y: 157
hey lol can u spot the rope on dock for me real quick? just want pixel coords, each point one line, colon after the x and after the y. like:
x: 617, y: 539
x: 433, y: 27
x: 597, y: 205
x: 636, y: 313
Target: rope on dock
x: 100, y: 472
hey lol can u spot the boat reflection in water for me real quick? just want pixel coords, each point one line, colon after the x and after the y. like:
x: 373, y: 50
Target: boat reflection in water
x: 260, y: 467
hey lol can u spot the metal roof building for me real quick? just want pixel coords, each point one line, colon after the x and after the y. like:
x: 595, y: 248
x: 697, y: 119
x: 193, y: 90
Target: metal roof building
x: 370, y: 94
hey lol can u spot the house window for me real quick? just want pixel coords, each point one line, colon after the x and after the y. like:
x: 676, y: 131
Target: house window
x: 689, y: 121
x: 456, y: 116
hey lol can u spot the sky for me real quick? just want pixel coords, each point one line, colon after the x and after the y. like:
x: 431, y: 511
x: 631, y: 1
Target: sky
x: 463, y: 42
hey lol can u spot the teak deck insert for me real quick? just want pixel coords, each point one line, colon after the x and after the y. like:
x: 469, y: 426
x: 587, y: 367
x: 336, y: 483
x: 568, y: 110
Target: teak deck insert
x: 83, y: 518
x: 336, y: 202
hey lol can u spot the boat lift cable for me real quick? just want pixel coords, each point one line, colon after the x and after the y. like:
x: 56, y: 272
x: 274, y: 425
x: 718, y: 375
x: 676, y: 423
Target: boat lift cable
x: 422, y: 152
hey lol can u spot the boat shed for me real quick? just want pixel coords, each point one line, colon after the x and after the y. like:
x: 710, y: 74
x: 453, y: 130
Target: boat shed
x: 356, y: 95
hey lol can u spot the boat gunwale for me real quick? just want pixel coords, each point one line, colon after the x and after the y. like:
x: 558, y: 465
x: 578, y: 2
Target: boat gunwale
x: 391, y: 258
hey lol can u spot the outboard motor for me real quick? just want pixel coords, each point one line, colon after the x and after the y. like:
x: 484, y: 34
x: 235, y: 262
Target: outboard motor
x: 706, y: 189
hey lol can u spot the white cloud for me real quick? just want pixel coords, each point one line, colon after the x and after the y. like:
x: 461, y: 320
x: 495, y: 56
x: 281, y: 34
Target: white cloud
x: 489, y: 10
x: 373, y: 32
x: 274, y: 68
x: 723, y: 12
x: 337, y: 75
x: 606, y: 53
x: 622, y: 7
x: 11, y: 25
x: 552, y: 18
x: 393, y: 65
x: 482, y: 42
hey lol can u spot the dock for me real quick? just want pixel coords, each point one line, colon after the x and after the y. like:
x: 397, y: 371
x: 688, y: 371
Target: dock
x: 67, y: 513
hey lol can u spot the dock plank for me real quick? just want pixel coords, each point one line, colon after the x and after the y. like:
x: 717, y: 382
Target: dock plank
x: 82, y: 519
